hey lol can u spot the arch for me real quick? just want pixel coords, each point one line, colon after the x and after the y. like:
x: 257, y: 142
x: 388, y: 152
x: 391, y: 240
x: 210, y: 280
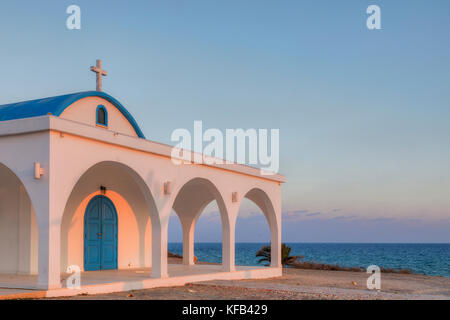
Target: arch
x: 101, y: 116
x: 264, y: 203
x: 194, y: 196
x: 57, y: 105
x: 136, y: 209
x: 18, y: 226
x: 190, y: 201
x: 262, y: 200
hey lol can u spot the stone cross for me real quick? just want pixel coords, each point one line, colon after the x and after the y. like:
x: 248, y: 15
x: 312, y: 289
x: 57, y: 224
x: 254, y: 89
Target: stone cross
x: 100, y: 72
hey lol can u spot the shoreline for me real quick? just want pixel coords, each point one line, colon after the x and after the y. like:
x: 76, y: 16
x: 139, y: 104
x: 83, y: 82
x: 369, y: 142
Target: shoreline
x: 312, y: 265
x: 296, y: 284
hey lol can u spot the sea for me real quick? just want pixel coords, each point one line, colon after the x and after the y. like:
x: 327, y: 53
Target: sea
x: 429, y: 259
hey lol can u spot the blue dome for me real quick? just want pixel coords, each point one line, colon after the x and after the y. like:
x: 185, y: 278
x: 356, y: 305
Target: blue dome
x: 56, y: 106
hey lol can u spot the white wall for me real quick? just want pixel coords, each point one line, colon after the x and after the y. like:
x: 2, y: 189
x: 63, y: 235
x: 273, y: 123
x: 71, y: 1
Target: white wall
x: 84, y: 111
x: 18, y: 227
x: 136, y: 169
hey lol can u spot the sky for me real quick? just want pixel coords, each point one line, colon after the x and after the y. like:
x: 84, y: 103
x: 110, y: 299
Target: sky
x: 363, y: 114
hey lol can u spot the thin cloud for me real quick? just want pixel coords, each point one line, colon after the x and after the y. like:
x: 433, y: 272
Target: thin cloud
x: 293, y: 216
x: 343, y: 217
x: 313, y: 214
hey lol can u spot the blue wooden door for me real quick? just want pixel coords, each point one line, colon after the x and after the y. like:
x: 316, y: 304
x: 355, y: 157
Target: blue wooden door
x: 100, y: 235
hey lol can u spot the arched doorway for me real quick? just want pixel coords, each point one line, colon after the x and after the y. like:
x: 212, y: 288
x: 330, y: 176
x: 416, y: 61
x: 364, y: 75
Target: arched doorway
x: 136, y: 214
x: 264, y: 228
x: 18, y: 227
x: 190, y: 203
x: 100, y: 235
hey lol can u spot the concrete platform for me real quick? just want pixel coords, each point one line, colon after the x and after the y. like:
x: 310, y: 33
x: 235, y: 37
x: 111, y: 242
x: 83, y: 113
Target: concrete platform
x: 109, y: 281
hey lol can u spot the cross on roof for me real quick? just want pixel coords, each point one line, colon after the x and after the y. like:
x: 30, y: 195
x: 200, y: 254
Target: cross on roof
x: 100, y: 72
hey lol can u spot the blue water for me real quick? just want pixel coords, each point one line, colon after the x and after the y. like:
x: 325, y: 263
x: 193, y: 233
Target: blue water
x: 430, y: 259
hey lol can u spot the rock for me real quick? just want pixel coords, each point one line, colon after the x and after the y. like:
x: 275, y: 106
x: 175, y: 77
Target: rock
x: 173, y: 255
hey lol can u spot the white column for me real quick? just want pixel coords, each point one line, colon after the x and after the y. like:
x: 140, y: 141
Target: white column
x: 229, y: 241
x: 159, y: 250
x: 49, y: 255
x: 275, y: 238
x: 25, y: 233
x: 48, y: 218
x: 275, y: 249
x: 188, y: 243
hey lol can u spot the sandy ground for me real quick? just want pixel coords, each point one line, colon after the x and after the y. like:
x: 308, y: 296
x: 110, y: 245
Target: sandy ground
x: 298, y: 284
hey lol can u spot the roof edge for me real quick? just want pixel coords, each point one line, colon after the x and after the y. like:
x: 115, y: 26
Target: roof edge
x: 78, y: 96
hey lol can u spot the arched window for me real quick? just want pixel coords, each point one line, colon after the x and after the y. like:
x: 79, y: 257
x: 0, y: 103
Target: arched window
x: 102, y: 116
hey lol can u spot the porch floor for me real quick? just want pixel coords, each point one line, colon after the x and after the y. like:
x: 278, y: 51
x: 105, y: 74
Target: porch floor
x: 108, y: 281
